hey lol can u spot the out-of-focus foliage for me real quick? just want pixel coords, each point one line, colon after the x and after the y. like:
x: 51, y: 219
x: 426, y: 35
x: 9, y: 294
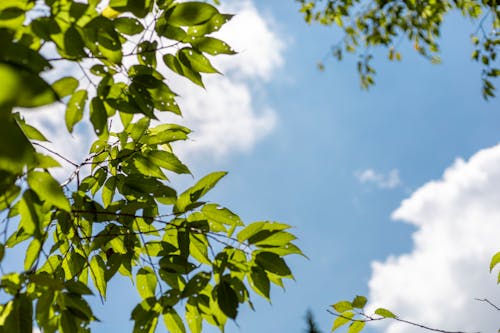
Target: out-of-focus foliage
x: 386, y: 23
x: 192, y: 261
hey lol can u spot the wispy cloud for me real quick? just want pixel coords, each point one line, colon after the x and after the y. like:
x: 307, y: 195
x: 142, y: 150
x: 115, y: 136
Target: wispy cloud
x: 384, y: 181
x: 458, y: 230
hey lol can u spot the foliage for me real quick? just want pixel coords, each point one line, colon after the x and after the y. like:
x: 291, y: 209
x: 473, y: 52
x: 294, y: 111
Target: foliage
x: 387, y: 23
x: 117, y: 212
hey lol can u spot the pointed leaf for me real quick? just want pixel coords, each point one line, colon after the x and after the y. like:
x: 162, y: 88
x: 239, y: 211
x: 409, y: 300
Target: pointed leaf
x: 48, y: 189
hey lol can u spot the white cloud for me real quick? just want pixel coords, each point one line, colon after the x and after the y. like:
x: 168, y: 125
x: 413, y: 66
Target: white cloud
x: 389, y: 181
x: 458, y: 231
x: 225, y: 117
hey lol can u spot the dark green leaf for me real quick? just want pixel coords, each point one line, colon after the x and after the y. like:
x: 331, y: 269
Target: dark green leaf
x: 359, y: 302
x: 273, y: 263
x: 227, y: 299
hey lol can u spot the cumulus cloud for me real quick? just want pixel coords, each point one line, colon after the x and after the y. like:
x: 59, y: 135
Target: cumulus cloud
x: 458, y: 230
x: 225, y: 118
x: 383, y: 181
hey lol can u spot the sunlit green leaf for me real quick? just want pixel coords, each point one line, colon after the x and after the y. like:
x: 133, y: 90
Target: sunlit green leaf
x: 385, y: 313
x: 98, y: 270
x: 48, y: 189
x: 495, y: 260
x: 146, y: 282
x: 173, y: 321
x: 342, y: 306
x: 75, y: 108
x: 356, y: 326
x: 65, y: 86
x: 342, y: 320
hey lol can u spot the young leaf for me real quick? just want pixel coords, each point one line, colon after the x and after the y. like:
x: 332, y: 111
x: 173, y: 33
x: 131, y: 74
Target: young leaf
x: 494, y: 261
x: 356, y: 327
x: 342, y: 320
x: 385, y: 313
x: 342, y: 306
x: 359, y: 302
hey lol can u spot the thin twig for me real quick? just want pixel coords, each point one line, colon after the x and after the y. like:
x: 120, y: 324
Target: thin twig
x: 489, y: 302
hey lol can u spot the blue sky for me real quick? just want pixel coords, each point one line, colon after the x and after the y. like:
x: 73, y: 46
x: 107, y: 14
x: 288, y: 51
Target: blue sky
x: 296, y: 141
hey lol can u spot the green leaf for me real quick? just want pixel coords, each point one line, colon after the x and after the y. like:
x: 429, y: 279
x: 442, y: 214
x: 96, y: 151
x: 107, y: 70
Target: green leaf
x: 24, y: 88
x: 98, y: 271
x: 341, y: 321
x: 342, y: 306
x: 108, y: 191
x: 32, y: 133
x: 494, y: 261
x: 385, y: 313
x: 77, y: 287
x: 173, y: 321
x: 211, y: 46
x: 197, y: 191
x: 196, y: 61
x: 167, y: 161
x: 20, y: 317
x: 254, y: 228
x: 128, y: 25
x: 98, y: 115
x: 75, y: 108
x: 273, y: 263
x: 67, y: 322
x: 221, y: 215
x: 193, y: 317
x: 359, y: 302
x: 356, y: 327
x: 227, y: 299
x: 212, y: 25
x: 32, y: 253
x: 259, y: 282
x: 65, y: 86
x: 190, y: 13
x: 48, y: 189
x: 178, y: 67
x: 146, y: 282
x: 196, y: 284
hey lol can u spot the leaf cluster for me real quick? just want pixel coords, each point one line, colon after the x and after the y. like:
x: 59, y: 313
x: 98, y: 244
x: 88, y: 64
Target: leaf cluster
x: 118, y: 213
x: 386, y: 23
